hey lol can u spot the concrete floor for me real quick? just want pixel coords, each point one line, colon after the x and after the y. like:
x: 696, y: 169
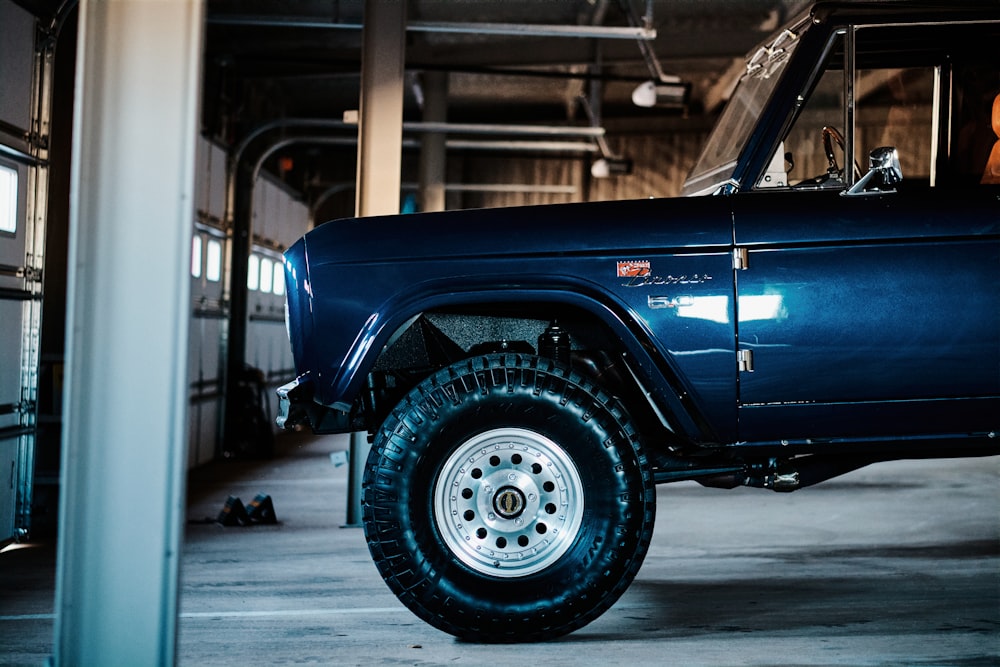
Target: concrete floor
x: 896, y: 564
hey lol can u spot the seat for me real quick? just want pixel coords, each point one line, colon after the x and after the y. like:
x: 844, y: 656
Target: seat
x: 991, y: 175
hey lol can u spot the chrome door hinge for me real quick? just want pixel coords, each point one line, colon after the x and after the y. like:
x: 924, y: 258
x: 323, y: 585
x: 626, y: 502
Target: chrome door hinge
x: 744, y: 360
x: 741, y: 259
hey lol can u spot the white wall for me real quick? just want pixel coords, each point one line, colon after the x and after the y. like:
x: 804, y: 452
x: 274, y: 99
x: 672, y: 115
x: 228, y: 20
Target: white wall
x: 18, y: 364
x: 279, y: 219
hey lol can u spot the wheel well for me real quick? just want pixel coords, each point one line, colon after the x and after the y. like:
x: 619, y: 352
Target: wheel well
x: 438, y: 338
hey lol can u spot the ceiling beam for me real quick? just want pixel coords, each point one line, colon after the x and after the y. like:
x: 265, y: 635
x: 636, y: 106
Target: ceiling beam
x: 452, y: 27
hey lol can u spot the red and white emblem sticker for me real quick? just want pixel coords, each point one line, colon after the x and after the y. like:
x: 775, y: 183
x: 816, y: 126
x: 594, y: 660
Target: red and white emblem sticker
x: 633, y: 267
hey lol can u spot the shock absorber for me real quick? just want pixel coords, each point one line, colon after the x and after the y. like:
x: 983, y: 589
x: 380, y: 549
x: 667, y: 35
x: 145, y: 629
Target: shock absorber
x: 554, y: 343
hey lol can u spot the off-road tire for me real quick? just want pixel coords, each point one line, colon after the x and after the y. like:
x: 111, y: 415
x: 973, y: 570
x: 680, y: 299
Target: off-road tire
x: 507, y: 499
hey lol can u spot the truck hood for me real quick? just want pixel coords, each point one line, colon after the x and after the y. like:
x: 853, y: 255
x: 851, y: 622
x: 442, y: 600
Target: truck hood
x: 565, y: 229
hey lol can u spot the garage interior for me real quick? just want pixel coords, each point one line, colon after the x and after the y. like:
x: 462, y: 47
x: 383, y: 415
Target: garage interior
x: 167, y: 153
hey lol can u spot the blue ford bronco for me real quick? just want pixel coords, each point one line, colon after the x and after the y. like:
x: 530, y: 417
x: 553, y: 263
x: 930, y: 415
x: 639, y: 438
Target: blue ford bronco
x: 823, y: 298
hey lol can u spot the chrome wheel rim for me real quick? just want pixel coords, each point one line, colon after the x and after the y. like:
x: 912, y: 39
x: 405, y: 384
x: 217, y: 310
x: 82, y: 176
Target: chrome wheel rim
x: 509, y: 502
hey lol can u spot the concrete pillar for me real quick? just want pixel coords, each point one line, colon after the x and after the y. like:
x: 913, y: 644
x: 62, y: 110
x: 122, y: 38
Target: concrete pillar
x: 380, y: 115
x: 380, y: 154
x: 123, y: 461
x: 433, y: 163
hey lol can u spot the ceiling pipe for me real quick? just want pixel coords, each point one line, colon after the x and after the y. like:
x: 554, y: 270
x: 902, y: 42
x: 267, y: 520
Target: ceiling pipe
x: 237, y: 161
x: 538, y: 30
x: 642, y: 33
x: 524, y: 146
x: 452, y: 144
x: 592, y: 115
x: 505, y: 129
x: 451, y: 128
x: 516, y: 188
x: 644, y: 48
x: 510, y: 129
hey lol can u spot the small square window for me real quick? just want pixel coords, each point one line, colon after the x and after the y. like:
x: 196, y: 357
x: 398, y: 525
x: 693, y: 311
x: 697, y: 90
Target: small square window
x: 196, y: 244
x: 279, y: 278
x: 8, y: 199
x: 213, y: 261
x: 253, y: 272
x: 266, y: 274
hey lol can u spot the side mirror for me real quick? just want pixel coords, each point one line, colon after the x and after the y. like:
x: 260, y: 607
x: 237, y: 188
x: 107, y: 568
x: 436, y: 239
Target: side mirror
x: 883, y: 174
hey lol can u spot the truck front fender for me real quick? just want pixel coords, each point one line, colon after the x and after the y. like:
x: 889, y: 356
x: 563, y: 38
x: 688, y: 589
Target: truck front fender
x: 656, y: 371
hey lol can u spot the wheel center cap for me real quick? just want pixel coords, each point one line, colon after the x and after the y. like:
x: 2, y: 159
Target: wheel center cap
x: 509, y: 502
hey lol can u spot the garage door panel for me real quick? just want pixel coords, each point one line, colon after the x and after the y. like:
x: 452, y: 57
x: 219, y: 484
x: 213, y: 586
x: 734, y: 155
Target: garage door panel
x: 10, y: 351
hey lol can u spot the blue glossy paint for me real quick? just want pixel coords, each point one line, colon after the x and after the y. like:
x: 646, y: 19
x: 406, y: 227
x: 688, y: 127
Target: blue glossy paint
x: 361, y: 298
x: 881, y: 299
x: 872, y: 319
x: 839, y: 306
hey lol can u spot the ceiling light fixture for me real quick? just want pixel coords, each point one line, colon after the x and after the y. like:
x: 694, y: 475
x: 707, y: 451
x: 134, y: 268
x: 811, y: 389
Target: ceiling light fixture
x: 611, y: 166
x: 662, y: 89
x: 669, y: 93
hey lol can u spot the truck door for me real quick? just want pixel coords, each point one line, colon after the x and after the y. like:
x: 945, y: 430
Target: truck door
x: 874, y: 312
x: 868, y: 316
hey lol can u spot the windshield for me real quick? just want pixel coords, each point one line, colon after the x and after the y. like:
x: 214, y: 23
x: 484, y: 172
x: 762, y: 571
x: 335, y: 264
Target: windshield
x: 718, y: 158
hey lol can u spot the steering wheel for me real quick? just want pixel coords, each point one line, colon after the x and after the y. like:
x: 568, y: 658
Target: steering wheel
x: 831, y: 135
x: 834, y: 176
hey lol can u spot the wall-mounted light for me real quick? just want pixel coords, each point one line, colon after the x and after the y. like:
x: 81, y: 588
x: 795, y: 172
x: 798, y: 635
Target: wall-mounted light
x: 671, y: 93
x: 611, y: 166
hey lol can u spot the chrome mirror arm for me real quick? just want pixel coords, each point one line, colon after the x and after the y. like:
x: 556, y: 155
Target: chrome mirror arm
x: 883, y: 168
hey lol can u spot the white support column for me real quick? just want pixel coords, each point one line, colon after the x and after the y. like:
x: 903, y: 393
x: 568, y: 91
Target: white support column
x: 380, y: 116
x: 380, y: 154
x: 122, y: 495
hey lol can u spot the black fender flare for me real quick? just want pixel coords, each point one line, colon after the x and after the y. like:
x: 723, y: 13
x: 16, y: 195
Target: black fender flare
x: 657, y: 373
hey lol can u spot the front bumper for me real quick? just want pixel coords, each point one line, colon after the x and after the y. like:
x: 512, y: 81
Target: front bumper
x: 292, y: 401
x: 297, y: 405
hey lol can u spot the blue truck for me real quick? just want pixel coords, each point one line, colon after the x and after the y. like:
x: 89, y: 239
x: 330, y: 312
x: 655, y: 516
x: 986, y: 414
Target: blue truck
x: 527, y: 376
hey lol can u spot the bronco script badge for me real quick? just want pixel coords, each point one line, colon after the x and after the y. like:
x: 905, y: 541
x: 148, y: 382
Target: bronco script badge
x: 639, y: 273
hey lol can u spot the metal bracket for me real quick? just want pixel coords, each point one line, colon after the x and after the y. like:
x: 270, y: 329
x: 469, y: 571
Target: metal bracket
x: 31, y: 274
x: 744, y: 360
